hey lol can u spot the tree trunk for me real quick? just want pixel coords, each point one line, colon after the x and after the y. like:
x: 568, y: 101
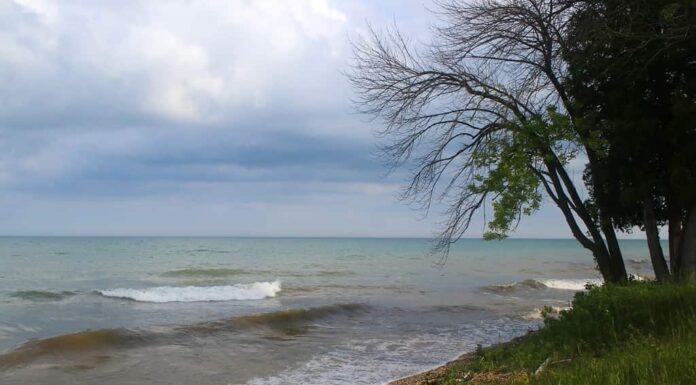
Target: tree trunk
x: 687, y: 249
x: 657, y: 257
x: 558, y: 194
x: 675, y: 234
x: 616, y: 263
x: 603, y: 264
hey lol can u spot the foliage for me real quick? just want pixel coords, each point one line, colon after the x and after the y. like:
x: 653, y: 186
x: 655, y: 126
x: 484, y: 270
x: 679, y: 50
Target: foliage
x: 482, y: 118
x: 512, y: 161
x: 632, y: 79
x: 638, y: 333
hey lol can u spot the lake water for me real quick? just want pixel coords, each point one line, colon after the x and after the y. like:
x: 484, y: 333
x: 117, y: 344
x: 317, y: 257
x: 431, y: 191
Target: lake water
x: 215, y: 311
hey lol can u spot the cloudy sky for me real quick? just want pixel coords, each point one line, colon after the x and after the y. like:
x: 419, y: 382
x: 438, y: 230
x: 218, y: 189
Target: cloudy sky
x: 227, y: 117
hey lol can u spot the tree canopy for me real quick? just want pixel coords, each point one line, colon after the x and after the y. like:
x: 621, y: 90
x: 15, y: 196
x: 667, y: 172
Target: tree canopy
x: 632, y: 78
x: 508, y: 92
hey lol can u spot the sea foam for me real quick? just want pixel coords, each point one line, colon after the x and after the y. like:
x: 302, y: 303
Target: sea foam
x: 534, y: 284
x: 256, y: 290
x: 570, y: 284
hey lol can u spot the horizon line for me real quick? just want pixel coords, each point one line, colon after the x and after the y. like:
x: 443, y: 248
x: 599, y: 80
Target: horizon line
x: 281, y: 237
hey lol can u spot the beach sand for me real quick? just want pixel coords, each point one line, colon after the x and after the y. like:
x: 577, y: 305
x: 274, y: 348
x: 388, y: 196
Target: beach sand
x: 430, y: 376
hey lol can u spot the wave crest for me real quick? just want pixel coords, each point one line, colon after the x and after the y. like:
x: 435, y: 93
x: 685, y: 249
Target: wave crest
x: 513, y: 286
x: 571, y: 284
x: 550, y: 311
x: 164, y: 294
x: 534, y: 284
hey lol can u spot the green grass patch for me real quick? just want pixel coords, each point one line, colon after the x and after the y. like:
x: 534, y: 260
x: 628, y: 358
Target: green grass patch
x: 638, y: 333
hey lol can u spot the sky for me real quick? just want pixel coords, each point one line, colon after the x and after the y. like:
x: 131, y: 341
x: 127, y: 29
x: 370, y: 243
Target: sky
x: 199, y: 118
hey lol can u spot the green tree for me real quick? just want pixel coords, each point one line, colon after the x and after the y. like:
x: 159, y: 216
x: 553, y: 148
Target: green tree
x: 632, y: 79
x: 482, y: 115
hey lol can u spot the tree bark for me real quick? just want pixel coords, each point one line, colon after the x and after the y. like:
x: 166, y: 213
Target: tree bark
x: 657, y: 257
x: 615, y: 258
x: 596, y: 245
x: 687, y: 249
x: 601, y: 256
x: 618, y: 269
x: 675, y: 234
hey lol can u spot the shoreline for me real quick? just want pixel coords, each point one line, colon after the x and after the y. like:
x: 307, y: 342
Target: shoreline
x: 430, y: 376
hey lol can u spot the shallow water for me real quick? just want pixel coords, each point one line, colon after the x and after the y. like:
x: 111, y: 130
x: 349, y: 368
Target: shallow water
x: 269, y: 311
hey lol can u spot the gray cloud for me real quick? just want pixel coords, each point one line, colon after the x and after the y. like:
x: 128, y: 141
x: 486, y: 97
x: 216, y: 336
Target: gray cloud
x: 219, y: 117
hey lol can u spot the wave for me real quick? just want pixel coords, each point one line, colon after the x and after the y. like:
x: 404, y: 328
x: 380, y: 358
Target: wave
x: 551, y: 311
x: 288, y: 322
x: 228, y: 272
x: 163, y: 294
x: 212, y: 273
x: 513, y: 286
x: 319, y: 273
x: 41, y: 295
x: 571, y: 284
x: 283, y: 317
x: 458, y: 308
x: 212, y: 251
x: 73, y: 343
x: 534, y: 284
x: 335, y: 273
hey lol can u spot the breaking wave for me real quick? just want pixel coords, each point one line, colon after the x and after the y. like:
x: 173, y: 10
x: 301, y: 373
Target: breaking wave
x: 513, y: 286
x: 163, y: 294
x: 639, y: 262
x: 571, y: 284
x: 533, y: 284
x: 550, y: 311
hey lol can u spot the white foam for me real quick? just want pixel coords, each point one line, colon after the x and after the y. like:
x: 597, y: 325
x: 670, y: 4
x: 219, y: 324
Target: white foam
x: 370, y: 360
x: 570, y: 284
x: 537, y: 313
x: 256, y: 290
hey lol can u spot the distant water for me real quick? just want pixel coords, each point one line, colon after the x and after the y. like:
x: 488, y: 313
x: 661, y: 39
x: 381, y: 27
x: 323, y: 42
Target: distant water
x: 269, y: 311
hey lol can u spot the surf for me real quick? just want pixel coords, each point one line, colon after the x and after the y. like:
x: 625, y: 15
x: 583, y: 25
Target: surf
x: 284, y: 323
x: 165, y: 294
x: 536, y: 284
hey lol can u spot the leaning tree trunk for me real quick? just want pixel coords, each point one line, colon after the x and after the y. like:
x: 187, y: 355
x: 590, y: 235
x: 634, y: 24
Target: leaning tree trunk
x: 565, y: 196
x: 618, y: 269
x: 687, y: 249
x: 657, y: 257
x: 615, y: 258
x: 601, y: 257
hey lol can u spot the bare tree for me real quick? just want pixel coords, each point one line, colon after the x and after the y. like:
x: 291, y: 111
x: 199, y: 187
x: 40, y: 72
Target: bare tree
x: 481, y: 115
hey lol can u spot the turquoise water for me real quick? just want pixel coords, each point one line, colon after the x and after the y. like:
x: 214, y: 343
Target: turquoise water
x: 269, y: 311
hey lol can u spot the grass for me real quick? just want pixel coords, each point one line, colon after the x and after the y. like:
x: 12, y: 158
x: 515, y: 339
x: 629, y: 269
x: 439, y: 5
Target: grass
x: 638, y: 333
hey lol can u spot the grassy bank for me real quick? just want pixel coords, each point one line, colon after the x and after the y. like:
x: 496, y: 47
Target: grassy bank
x: 640, y: 333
